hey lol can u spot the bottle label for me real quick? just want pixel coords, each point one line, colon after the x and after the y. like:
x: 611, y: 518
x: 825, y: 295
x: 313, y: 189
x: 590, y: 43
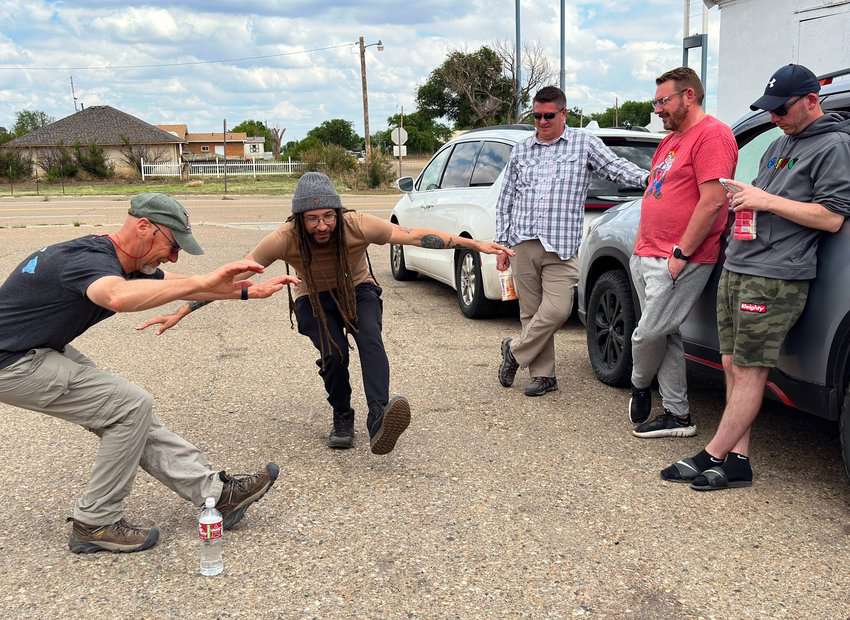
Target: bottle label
x: 209, y: 531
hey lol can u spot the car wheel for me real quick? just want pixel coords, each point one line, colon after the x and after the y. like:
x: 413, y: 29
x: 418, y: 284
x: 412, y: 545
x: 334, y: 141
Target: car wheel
x: 610, y: 323
x: 844, y: 431
x: 470, y: 286
x: 400, y: 271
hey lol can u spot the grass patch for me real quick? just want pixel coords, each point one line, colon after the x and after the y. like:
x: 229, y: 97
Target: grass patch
x: 122, y: 187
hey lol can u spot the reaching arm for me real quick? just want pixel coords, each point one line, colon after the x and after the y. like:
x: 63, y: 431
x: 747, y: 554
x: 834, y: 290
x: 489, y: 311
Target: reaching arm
x: 712, y: 198
x: 120, y: 295
x: 439, y: 240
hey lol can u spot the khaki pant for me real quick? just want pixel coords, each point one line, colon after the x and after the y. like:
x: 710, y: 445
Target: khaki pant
x: 544, y: 284
x: 69, y: 386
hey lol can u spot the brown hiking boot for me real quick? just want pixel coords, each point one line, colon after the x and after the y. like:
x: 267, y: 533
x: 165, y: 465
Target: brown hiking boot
x: 120, y: 537
x: 242, y: 490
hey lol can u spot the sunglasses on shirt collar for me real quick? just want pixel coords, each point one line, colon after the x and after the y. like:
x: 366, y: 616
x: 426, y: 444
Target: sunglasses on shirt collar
x: 546, y: 115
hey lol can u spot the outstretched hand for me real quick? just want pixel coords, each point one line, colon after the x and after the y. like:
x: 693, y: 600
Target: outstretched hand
x: 267, y: 288
x: 165, y: 321
x: 488, y: 247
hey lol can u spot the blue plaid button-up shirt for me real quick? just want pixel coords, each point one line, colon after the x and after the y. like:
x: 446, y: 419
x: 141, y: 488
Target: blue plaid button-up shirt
x: 545, y: 189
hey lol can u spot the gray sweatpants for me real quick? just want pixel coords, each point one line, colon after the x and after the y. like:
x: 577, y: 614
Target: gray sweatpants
x: 70, y: 387
x: 656, y: 342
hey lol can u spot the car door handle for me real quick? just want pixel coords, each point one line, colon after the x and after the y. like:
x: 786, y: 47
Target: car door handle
x: 427, y: 206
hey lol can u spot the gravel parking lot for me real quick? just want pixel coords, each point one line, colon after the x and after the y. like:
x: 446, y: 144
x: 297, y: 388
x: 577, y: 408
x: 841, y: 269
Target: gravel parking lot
x: 493, y: 505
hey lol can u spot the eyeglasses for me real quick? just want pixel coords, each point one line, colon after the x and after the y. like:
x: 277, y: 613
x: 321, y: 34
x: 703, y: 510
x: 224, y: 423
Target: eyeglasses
x: 546, y: 115
x: 783, y: 109
x: 662, y: 101
x: 175, y: 247
x: 327, y: 218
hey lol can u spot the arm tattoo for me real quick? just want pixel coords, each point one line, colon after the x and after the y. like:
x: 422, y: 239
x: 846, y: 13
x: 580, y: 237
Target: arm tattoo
x: 194, y: 305
x: 433, y: 242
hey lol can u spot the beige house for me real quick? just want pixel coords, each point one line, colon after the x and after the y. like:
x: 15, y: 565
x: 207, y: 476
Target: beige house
x: 124, y: 138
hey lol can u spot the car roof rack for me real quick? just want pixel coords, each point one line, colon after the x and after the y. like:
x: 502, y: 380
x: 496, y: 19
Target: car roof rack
x: 827, y: 78
x: 519, y: 126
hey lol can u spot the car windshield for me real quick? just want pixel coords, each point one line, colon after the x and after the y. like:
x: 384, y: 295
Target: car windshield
x: 639, y: 153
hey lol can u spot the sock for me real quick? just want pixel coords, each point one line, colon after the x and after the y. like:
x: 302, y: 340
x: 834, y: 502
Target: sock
x: 737, y: 467
x: 705, y: 461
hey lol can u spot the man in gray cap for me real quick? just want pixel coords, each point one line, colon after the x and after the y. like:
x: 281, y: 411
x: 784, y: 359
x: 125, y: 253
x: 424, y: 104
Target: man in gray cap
x: 55, y: 295
x: 802, y: 191
x: 338, y: 296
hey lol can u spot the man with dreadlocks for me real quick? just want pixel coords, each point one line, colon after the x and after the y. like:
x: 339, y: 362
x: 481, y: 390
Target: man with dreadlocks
x: 338, y: 295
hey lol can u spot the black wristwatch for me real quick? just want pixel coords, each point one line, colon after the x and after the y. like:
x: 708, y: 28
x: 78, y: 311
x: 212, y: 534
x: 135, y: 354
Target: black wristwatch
x: 677, y: 253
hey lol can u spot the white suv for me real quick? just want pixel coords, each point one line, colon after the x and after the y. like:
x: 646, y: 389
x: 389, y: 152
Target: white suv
x: 457, y: 192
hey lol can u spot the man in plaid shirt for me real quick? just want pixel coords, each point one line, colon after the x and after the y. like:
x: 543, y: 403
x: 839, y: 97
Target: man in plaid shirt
x: 540, y: 215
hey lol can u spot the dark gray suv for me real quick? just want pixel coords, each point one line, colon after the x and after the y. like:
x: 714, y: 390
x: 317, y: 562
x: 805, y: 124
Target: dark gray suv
x: 814, y: 365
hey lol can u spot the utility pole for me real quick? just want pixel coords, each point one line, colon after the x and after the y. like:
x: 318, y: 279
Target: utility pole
x: 73, y: 94
x: 365, y: 100
x: 563, y: 46
x: 401, y: 125
x: 224, y: 138
x: 518, y: 67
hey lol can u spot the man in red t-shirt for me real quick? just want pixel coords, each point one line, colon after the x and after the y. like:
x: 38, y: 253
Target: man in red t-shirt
x: 682, y: 216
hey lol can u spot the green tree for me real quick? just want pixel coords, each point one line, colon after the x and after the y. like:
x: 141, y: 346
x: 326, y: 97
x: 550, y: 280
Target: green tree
x: 27, y: 121
x: 468, y: 88
x: 424, y: 134
x: 5, y: 136
x: 336, y: 131
x: 257, y: 128
x: 634, y: 113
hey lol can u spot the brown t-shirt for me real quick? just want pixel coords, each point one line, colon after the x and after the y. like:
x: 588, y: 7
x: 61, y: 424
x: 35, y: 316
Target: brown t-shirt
x: 361, y: 230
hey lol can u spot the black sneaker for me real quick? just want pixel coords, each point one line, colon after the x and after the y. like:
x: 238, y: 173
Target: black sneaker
x: 541, y: 385
x: 342, y: 434
x: 640, y: 405
x: 509, y: 365
x: 666, y: 425
x: 386, y: 427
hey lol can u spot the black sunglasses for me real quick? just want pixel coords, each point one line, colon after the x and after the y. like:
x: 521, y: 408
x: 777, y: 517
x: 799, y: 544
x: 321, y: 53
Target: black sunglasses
x: 783, y: 109
x: 546, y: 115
x: 175, y: 247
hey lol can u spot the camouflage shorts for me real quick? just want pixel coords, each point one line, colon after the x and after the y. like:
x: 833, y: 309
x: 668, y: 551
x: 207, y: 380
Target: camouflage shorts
x: 754, y: 314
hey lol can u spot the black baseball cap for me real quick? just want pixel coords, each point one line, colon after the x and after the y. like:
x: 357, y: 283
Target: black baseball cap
x: 789, y: 81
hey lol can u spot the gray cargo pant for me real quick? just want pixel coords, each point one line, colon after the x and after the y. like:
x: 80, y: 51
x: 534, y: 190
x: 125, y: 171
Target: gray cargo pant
x: 656, y: 342
x: 69, y: 386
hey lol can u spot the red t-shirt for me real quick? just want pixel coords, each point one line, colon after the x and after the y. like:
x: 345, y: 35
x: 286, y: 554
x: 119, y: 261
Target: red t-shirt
x: 682, y: 161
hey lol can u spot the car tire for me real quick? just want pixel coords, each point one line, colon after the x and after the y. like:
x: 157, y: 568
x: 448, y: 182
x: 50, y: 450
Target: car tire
x: 610, y: 323
x: 397, y: 265
x: 469, y: 286
x: 844, y: 430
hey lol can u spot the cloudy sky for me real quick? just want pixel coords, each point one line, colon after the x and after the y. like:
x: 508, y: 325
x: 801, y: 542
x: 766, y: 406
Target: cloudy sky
x: 151, y: 59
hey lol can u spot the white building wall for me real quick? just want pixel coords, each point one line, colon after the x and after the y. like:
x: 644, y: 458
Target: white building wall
x: 759, y: 36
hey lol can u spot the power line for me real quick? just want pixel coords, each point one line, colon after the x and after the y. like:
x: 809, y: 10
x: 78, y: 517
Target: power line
x: 175, y: 64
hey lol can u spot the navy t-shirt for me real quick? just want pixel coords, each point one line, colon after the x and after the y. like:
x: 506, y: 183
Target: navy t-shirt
x: 43, y: 303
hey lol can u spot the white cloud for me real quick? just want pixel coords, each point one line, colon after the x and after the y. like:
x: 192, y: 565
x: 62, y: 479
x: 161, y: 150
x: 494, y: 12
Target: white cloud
x: 614, y: 48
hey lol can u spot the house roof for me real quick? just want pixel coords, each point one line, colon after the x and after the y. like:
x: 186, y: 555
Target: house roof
x: 179, y: 130
x: 216, y: 137
x: 102, y: 125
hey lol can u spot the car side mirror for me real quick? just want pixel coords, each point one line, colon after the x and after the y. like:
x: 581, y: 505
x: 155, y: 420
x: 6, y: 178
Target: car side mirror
x: 405, y: 184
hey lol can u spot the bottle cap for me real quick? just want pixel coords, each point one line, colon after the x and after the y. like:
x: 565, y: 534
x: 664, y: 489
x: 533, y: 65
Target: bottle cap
x: 210, y: 502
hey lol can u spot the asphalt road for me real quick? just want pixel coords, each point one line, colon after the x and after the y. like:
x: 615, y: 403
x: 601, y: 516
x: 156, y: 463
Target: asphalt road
x: 493, y: 505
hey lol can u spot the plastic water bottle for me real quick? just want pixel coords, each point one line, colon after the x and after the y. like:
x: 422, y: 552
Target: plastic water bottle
x: 209, y: 531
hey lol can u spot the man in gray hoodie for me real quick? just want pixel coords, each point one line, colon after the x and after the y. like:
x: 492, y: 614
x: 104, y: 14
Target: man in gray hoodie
x: 801, y: 191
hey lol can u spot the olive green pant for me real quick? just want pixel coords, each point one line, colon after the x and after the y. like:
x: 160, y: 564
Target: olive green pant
x: 69, y: 386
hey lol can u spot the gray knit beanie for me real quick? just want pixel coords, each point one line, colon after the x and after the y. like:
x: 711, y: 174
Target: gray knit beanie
x: 315, y: 191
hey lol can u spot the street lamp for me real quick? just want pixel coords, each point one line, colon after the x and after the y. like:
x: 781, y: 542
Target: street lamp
x: 363, y: 47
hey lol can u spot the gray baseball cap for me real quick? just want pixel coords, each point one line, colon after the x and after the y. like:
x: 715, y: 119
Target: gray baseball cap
x: 165, y: 210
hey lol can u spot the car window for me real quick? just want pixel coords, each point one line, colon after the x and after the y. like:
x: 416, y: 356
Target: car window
x: 459, y: 169
x: 431, y: 176
x: 750, y: 154
x: 639, y: 153
x: 491, y: 160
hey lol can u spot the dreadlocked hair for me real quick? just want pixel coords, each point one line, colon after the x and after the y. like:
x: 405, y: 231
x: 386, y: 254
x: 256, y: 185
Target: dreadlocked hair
x: 343, y: 293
